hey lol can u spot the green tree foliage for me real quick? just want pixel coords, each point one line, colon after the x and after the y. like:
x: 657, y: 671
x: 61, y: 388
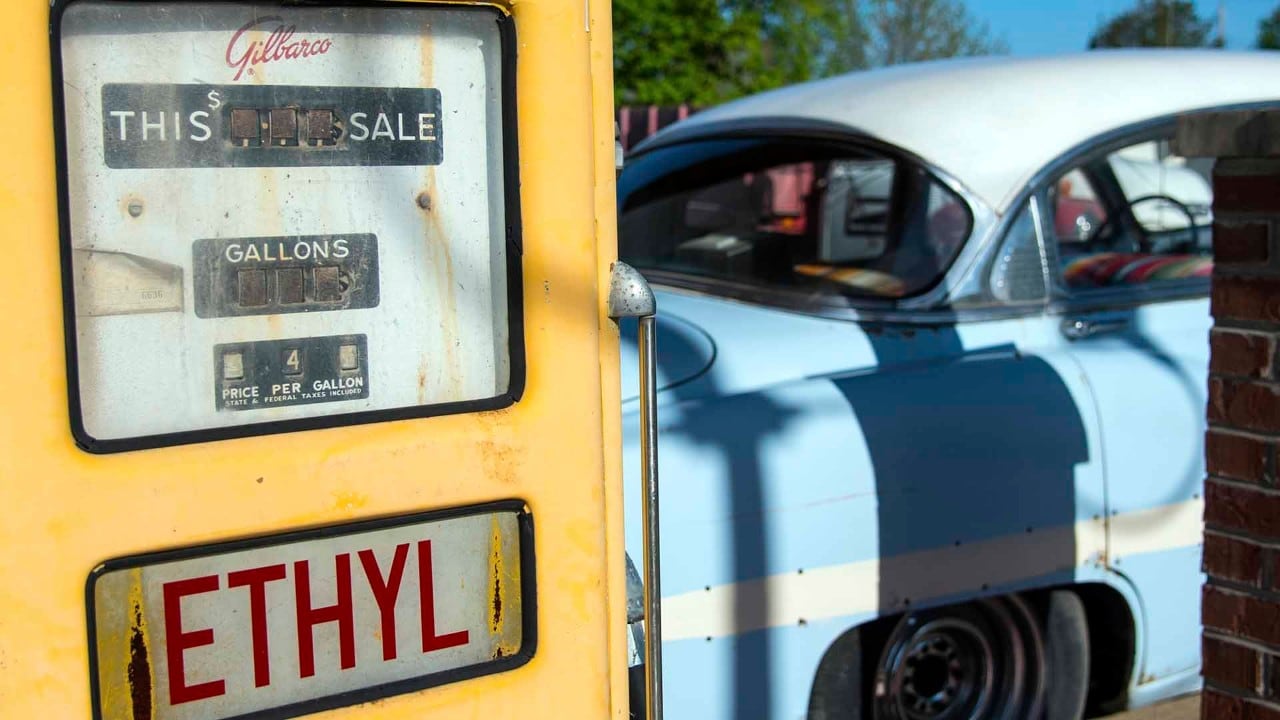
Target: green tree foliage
x: 1156, y: 23
x: 707, y: 51
x: 914, y: 30
x: 673, y: 51
x: 1269, y: 31
x: 797, y: 40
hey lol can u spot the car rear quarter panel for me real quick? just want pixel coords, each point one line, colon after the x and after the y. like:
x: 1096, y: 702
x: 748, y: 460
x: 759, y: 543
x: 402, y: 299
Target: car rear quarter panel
x: 938, y: 465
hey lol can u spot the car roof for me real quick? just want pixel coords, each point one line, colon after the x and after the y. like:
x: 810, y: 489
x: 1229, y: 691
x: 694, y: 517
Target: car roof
x: 992, y: 123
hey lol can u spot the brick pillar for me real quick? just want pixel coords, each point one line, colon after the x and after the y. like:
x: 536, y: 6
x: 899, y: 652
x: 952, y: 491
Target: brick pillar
x: 1240, y: 606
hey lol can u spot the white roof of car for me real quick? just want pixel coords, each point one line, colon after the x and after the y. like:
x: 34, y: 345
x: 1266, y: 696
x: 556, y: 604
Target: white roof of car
x: 994, y: 122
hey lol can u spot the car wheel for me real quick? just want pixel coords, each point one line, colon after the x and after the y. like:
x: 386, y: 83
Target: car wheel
x: 983, y: 660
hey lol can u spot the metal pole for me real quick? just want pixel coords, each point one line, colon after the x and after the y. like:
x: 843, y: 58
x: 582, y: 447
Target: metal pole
x: 630, y: 296
x: 652, y: 556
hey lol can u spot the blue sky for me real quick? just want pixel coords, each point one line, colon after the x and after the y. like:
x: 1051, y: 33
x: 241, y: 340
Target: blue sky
x: 1034, y: 27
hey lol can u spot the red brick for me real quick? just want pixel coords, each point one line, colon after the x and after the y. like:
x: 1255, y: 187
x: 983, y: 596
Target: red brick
x: 1244, y: 405
x: 1232, y: 559
x: 1238, y: 508
x: 1259, y: 712
x: 1215, y: 706
x: 1258, y: 193
x: 1233, y: 665
x: 1218, y: 706
x: 1222, y: 611
x: 1244, y: 243
x: 1240, y: 616
x: 1242, y: 298
x: 1236, y: 456
x: 1236, y: 353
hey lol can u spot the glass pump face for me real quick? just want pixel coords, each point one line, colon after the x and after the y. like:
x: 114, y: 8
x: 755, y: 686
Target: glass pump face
x: 286, y: 218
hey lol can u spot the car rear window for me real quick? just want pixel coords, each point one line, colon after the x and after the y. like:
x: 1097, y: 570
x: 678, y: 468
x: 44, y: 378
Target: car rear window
x: 790, y: 215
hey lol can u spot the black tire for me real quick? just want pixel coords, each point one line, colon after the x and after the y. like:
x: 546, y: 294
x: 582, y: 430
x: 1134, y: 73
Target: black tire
x: 1066, y: 640
x: 839, y: 688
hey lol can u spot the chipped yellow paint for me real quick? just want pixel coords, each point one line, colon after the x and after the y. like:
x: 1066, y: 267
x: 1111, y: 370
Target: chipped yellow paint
x: 512, y: 632
x: 349, y: 500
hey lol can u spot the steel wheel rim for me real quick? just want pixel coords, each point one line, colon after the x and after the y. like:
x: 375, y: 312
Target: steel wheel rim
x: 942, y: 669
x: 963, y: 663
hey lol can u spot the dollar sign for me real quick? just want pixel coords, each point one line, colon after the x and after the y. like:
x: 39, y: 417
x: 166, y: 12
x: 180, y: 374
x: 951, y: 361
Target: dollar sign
x: 213, y: 96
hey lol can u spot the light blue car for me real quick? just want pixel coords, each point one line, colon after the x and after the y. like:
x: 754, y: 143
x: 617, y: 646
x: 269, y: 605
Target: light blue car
x: 932, y: 348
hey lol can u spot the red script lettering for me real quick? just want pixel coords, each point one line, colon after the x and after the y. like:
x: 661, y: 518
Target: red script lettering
x: 279, y: 45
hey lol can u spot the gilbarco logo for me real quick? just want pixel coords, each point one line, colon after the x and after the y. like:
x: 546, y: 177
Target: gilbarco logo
x: 279, y: 45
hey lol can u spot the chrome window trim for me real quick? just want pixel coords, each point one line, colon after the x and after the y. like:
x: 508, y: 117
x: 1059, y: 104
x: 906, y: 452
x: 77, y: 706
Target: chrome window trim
x: 715, y: 290
x: 1130, y: 296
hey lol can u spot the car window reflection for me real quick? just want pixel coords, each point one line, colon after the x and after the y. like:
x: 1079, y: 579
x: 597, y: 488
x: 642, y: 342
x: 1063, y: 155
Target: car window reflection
x: 801, y: 217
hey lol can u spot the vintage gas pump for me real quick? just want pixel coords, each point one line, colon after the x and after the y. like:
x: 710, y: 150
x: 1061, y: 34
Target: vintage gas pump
x: 312, y: 398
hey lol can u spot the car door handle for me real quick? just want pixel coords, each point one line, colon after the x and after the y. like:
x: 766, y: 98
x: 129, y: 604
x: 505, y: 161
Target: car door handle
x: 1079, y: 328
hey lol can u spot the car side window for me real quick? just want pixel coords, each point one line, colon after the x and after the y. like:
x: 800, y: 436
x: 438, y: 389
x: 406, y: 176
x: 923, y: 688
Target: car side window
x: 1018, y: 272
x: 810, y: 219
x: 1138, y: 216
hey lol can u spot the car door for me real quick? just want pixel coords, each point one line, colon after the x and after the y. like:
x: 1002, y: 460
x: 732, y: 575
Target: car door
x: 1129, y: 250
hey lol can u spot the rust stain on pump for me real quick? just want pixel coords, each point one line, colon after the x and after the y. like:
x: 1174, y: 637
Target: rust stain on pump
x: 426, y: 55
x: 139, y: 667
x: 504, y: 589
x: 422, y: 381
x: 497, y: 598
x: 436, y: 238
x: 496, y: 571
x: 441, y: 269
x: 132, y: 205
x: 500, y: 460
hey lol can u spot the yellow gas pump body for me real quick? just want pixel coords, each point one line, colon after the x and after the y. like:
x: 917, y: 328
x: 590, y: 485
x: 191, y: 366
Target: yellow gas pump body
x: 65, y: 511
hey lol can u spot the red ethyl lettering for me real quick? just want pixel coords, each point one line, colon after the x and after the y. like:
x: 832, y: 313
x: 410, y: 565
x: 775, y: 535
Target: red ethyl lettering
x: 256, y: 580
x: 385, y: 592
x: 242, y: 55
x: 340, y: 612
x: 177, y: 641
x: 426, y: 587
